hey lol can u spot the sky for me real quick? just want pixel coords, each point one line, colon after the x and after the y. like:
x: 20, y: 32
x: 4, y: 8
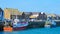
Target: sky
x: 48, y: 6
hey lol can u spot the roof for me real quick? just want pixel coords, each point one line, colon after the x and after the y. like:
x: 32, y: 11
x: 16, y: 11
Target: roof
x: 53, y: 15
x: 34, y: 16
x: 14, y: 11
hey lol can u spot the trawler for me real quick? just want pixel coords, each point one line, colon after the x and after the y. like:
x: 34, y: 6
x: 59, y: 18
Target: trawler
x: 19, y: 25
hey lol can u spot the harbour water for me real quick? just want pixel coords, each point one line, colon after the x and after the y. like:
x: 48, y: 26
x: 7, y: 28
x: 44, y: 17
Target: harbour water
x: 36, y: 31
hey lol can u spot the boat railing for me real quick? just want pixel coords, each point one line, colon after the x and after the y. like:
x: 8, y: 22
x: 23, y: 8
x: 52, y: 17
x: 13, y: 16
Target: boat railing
x: 36, y: 20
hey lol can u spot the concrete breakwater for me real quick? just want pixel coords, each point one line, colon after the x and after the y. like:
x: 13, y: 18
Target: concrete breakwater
x: 57, y: 23
x: 36, y: 24
x: 41, y: 24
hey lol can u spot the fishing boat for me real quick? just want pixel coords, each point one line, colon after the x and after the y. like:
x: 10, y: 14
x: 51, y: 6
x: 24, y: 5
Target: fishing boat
x: 17, y: 25
x: 20, y: 26
x: 50, y: 23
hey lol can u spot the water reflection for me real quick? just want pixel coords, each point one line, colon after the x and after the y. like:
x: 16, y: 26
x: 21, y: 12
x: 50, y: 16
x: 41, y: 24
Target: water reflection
x: 36, y: 31
x: 1, y: 32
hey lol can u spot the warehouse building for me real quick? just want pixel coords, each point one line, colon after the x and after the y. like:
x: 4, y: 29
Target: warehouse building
x: 10, y: 13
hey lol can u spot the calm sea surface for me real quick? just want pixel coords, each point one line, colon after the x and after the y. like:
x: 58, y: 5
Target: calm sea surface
x: 36, y: 31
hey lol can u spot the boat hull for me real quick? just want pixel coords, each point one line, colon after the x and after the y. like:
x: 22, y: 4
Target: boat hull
x: 19, y: 28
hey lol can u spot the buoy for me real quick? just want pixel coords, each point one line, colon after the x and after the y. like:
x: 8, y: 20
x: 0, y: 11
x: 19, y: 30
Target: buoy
x: 8, y: 29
